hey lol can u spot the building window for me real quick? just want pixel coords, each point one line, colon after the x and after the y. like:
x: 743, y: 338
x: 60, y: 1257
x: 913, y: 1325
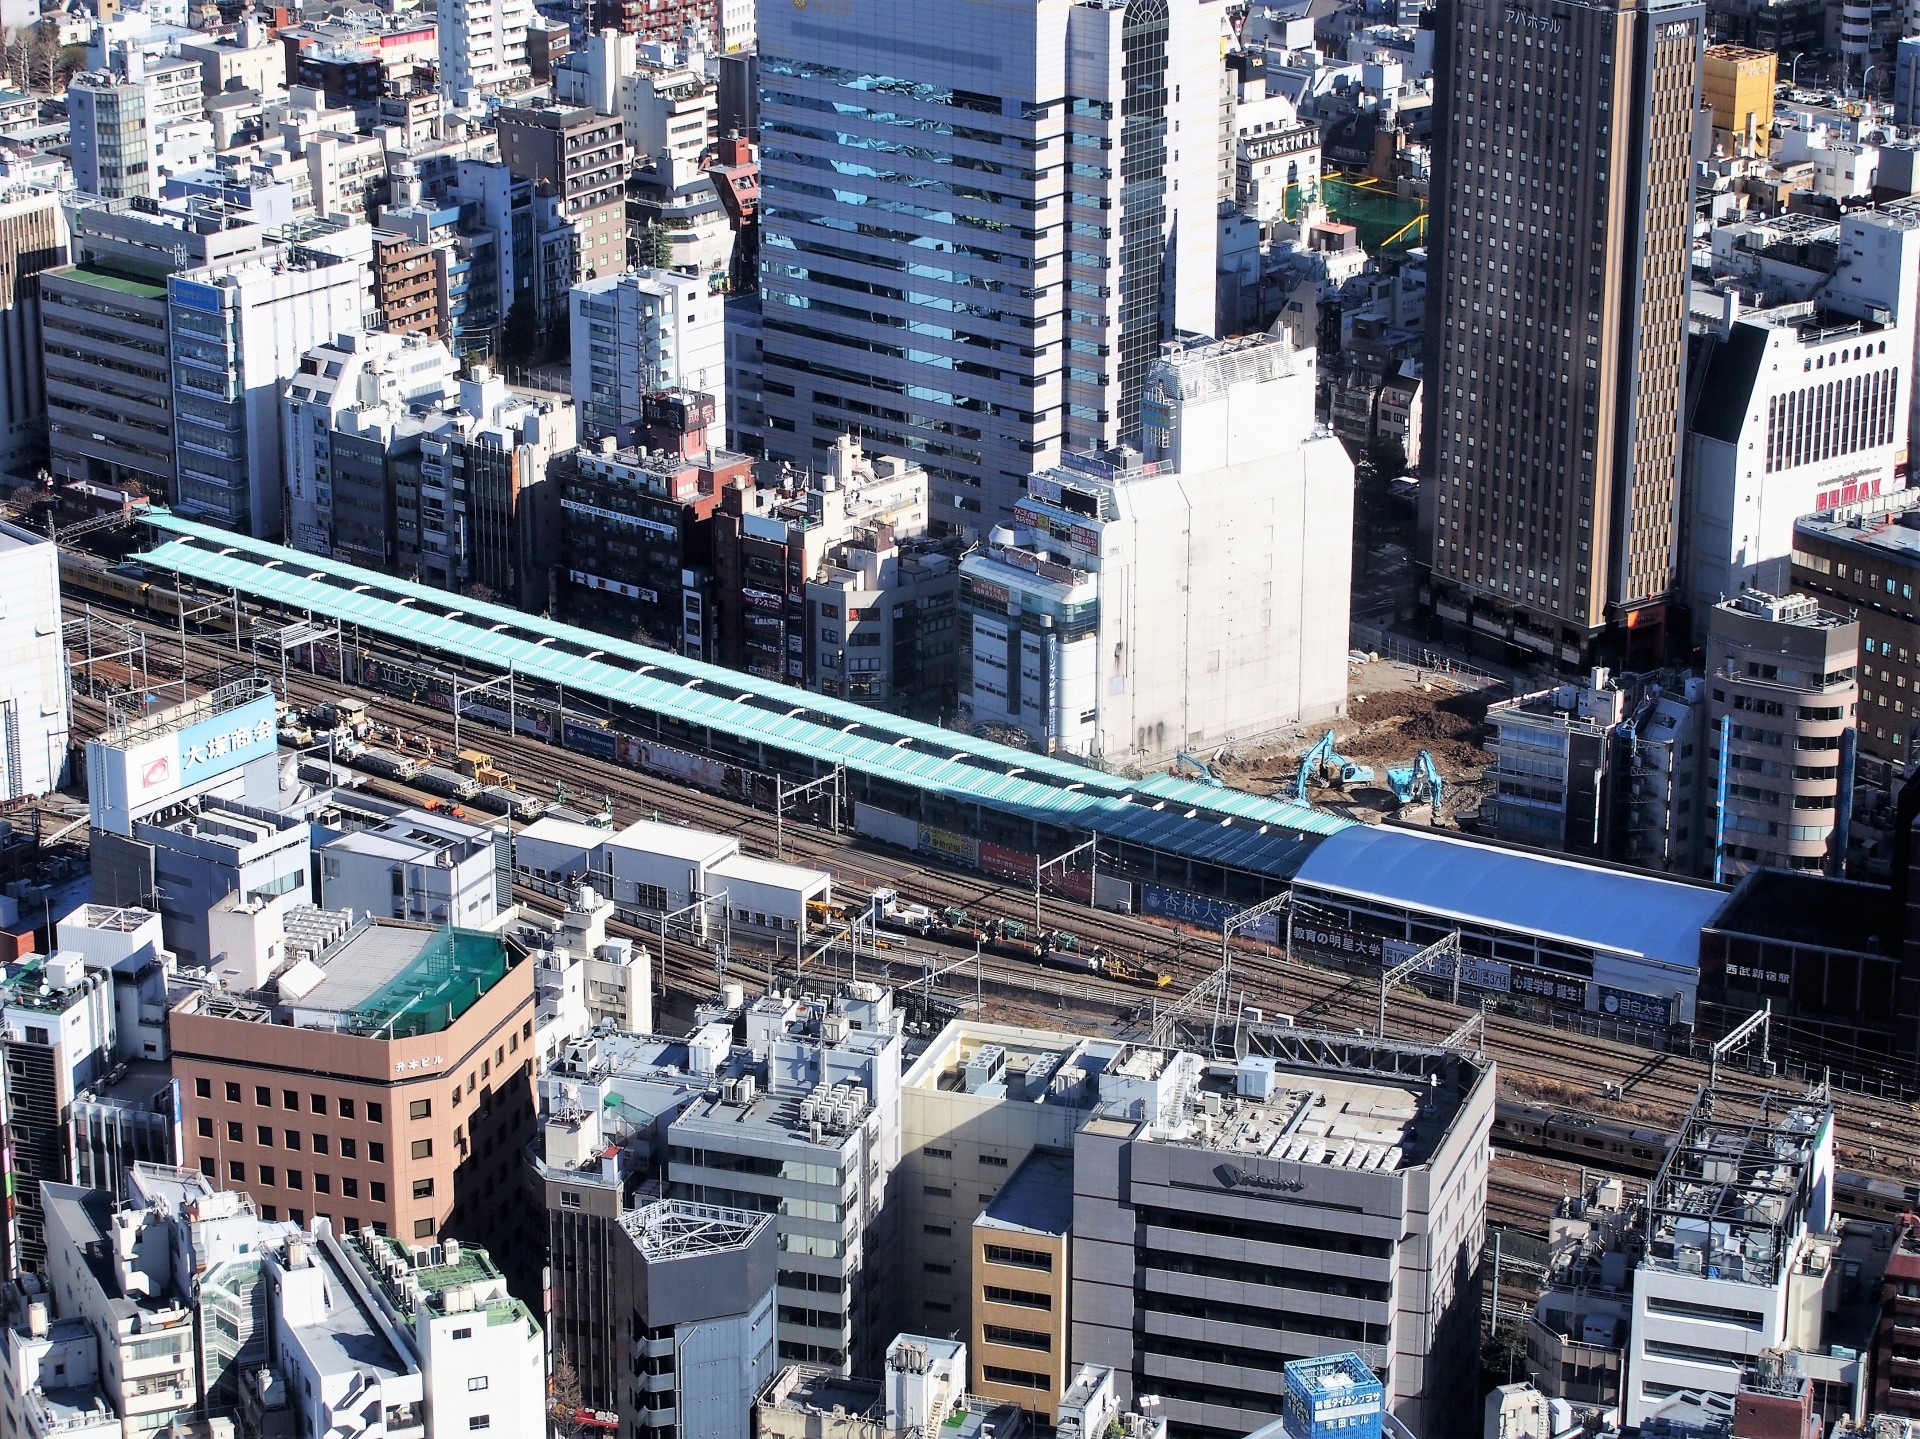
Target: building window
x: 293, y: 1139
x: 290, y: 1098
x: 205, y: 1127
x: 346, y: 1108
x: 376, y: 1191
x: 233, y: 1093
x: 423, y: 1188
x: 203, y: 1088
x: 376, y: 1152
x: 423, y: 1149
x: 265, y: 1131
x: 236, y: 1132
x: 319, y: 1144
x: 318, y: 1103
x: 375, y: 1112
x: 349, y: 1187
x: 323, y: 1184
x: 423, y: 1229
x: 419, y: 1108
x: 933, y: 1153
x: 263, y: 1096
x: 569, y: 1199
x: 267, y: 1174
x: 463, y: 1334
x: 994, y: 1160
x: 349, y: 1148
x: 476, y: 1383
x: 296, y: 1180
x: 206, y: 1166
x: 236, y: 1171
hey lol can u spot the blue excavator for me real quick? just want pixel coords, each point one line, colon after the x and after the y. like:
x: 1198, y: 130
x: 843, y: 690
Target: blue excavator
x: 1410, y: 782
x: 1326, y: 764
x: 1204, y: 769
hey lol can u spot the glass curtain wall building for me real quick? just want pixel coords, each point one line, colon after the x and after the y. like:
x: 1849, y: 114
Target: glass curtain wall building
x: 978, y: 225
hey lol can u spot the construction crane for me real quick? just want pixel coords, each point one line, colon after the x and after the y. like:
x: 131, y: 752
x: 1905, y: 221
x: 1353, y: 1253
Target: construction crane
x: 1205, y: 769
x: 1407, y: 781
x: 1323, y: 756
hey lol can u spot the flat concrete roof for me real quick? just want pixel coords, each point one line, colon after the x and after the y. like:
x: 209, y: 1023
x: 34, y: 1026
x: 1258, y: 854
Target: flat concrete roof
x: 1038, y: 1199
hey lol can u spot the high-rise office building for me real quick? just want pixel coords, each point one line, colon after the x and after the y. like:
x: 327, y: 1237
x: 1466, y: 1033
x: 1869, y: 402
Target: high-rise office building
x: 1558, y: 257
x: 33, y: 239
x: 978, y: 225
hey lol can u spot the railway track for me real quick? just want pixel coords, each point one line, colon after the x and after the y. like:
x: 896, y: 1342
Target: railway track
x: 1538, y: 1064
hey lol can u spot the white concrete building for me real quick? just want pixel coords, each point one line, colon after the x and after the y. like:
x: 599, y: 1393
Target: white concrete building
x: 427, y: 868
x: 1804, y: 405
x: 483, y: 47
x: 34, y: 719
x: 1739, y: 1254
x: 1141, y: 606
x: 668, y: 113
x: 641, y: 331
x: 136, y: 121
x: 238, y: 330
x: 374, y: 1340
x: 340, y: 385
x: 1088, y: 260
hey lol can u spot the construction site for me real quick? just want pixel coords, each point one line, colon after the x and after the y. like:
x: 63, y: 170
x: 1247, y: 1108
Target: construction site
x: 1411, y: 747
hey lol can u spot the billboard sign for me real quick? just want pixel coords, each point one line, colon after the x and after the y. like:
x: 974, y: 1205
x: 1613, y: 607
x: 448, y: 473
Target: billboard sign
x: 1637, y: 1008
x: 1561, y: 989
x: 1204, y: 911
x: 127, y: 782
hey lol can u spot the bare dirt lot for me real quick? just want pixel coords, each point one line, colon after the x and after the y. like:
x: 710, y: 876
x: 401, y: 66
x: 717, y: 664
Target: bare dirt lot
x: 1393, y: 712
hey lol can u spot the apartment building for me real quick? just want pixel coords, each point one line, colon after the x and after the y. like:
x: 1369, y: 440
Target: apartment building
x: 1092, y: 255
x: 636, y: 526
x: 434, y: 1327
x: 576, y: 157
x: 640, y: 332
x: 1557, y: 317
x: 483, y: 47
x: 137, y: 120
x: 838, y: 584
x: 236, y: 331
x: 340, y: 497
x: 387, y: 1081
x: 1783, y: 706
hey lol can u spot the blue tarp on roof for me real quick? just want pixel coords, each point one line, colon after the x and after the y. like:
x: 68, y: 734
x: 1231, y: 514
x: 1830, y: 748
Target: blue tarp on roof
x: 1644, y: 915
x: 1258, y: 834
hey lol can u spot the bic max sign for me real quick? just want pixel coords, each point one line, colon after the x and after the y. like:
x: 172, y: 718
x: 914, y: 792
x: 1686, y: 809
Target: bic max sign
x: 1231, y: 1176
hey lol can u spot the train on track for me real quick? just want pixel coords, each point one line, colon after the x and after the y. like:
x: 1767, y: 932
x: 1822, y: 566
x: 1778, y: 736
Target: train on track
x: 1619, y: 1147
x: 133, y: 587
x: 993, y: 934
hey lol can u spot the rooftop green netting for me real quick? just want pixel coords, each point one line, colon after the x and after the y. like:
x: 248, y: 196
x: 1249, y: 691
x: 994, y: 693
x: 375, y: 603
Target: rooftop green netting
x: 455, y: 968
x: 1385, y: 221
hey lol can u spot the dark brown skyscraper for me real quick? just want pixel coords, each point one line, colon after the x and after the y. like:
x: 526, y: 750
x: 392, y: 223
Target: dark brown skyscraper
x: 1557, y: 317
